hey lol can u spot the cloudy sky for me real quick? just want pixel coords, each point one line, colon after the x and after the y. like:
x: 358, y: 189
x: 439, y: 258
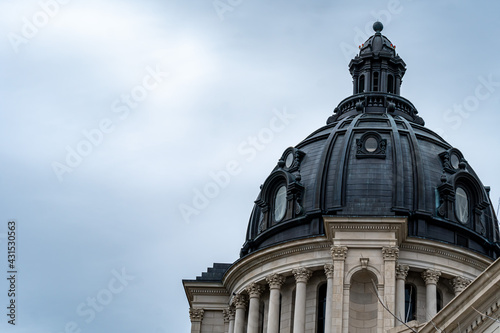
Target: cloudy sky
x: 116, y: 115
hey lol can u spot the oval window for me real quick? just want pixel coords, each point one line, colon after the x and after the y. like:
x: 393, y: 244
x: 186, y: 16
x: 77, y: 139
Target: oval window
x: 454, y: 161
x: 280, y: 204
x: 289, y: 160
x: 371, y: 144
x: 461, y: 205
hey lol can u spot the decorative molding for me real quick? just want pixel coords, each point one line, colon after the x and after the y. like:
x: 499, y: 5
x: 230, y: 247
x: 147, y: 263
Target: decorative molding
x: 228, y: 314
x: 446, y: 254
x: 338, y: 252
x: 275, y: 281
x: 390, y: 252
x: 364, y: 262
x: 196, y: 314
x: 431, y: 276
x: 402, y: 272
x: 240, y: 301
x: 481, y: 318
x: 329, y: 271
x: 459, y: 283
x: 254, y: 290
x: 301, y: 274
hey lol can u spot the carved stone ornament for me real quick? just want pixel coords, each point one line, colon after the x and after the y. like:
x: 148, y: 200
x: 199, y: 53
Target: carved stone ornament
x: 459, y: 283
x: 329, y: 270
x: 275, y: 281
x: 225, y: 315
x: 390, y: 253
x: 196, y: 314
x: 240, y: 301
x: 254, y: 290
x: 371, y: 145
x: 402, y: 272
x: 364, y: 262
x: 338, y: 252
x: 302, y: 274
x: 431, y: 276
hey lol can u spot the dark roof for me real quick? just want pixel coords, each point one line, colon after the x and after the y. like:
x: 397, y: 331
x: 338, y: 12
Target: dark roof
x: 374, y: 158
x: 214, y: 273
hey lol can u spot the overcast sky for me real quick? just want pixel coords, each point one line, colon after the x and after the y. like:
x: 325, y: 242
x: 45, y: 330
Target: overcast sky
x: 117, y: 114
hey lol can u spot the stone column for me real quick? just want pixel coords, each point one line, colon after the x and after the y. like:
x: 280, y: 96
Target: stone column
x: 401, y: 273
x: 339, y: 254
x: 254, y: 290
x: 302, y: 275
x: 228, y: 315
x: 275, y: 282
x: 390, y: 255
x: 196, y: 316
x: 431, y: 277
x: 328, y: 307
x: 459, y: 283
x: 240, y: 303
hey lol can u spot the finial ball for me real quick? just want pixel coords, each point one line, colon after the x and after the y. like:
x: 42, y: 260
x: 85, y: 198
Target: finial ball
x: 378, y: 26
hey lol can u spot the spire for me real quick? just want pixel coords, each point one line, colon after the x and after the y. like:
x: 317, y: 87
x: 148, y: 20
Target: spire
x: 377, y: 68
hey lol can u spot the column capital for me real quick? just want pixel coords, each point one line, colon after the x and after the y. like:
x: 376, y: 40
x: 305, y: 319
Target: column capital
x: 338, y: 252
x: 228, y: 314
x: 240, y: 301
x: 402, y: 271
x: 390, y: 252
x: 254, y: 290
x: 329, y: 271
x: 196, y: 314
x: 275, y: 281
x: 459, y: 283
x: 302, y: 274
x: 431, y: 276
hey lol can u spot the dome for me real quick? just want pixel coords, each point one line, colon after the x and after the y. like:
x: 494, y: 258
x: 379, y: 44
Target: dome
x: 375, y: 158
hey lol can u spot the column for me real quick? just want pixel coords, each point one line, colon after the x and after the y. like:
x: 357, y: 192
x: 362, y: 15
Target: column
x: 302, y: 275
x: 228, y: 315
x: 275, y: 282
x: 196, y: 316
x: 240, y: 303
x: 431, y: 278
x: 254, y: 290
x: 459, y: 283
x: 339, y: 254
x: 328, y: 308
x: 401, y: 273
x: 390, y: 255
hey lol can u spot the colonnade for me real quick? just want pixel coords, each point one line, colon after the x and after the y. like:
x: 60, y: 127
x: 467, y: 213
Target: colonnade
x: 236, y: 320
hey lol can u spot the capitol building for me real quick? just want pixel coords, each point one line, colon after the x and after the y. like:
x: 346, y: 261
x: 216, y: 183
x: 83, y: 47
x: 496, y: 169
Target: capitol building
x: 373, y: 223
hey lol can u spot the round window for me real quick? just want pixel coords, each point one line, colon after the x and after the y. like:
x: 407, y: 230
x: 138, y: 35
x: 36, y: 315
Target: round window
x: 280, y: 204
x: 371, y: 144
x: 461, y: 205
x: 454, y: 161
x: 289, y: 160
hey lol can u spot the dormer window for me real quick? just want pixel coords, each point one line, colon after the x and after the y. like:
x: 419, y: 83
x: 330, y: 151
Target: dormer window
x: 280, y: 203
x: 461, y: 205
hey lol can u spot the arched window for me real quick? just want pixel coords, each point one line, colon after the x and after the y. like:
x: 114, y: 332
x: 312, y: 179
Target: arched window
x: 279, y: 204
x: 410, y: 303
x: 375, y: 81
x: 462, y: 205
x: 321, y: 308
x: 390, y: 84
x: 361, y: 84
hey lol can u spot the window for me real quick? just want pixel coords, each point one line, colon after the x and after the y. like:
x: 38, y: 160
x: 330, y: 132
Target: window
x: 375, y: 81
x: 410, y: 303
x: 320, y: 323
x: 461, y: 205
x: 280, y: 203
x: 390, y: 84
x: 439, y: 300
x: 361, y: 86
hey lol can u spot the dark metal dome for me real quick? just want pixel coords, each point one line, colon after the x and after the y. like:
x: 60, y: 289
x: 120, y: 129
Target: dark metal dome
x: 375, y: 158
